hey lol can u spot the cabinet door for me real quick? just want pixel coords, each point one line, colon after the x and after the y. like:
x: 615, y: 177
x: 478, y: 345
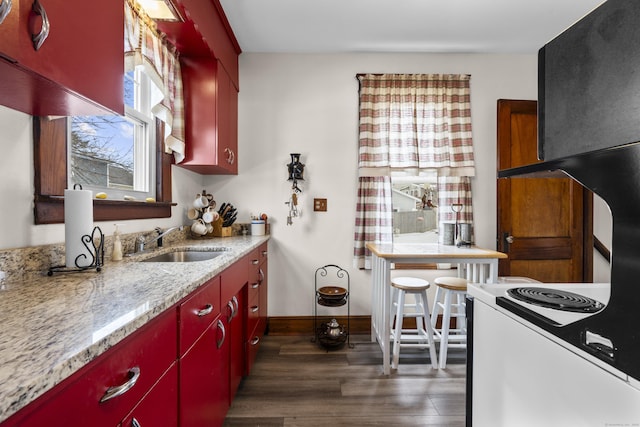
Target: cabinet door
x: 236, y: 321
x: 204, y: 378
x: 160, y: 406
x: 79, y: 65
x: 211, y: 117
x: 227, y: 121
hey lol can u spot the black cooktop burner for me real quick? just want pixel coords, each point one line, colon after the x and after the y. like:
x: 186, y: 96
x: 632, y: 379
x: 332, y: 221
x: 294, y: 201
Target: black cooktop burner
x: 556, y: 299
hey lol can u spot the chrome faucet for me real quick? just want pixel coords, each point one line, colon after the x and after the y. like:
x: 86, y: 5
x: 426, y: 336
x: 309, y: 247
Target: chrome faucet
x: 141, y: 242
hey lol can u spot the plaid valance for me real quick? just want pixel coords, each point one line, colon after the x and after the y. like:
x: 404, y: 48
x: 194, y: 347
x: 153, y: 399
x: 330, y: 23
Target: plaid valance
x: 415, y: 121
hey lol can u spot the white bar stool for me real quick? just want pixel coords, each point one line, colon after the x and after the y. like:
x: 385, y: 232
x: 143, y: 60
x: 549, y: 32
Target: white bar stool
x: 422, y: 336
x: 447, y: 289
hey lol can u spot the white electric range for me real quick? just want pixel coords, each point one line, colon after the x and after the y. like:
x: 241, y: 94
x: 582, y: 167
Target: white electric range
x: 521, y: 374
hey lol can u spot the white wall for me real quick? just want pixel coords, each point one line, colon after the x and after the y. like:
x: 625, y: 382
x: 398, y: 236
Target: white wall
x: 309, y: 104
x: 16, y: 191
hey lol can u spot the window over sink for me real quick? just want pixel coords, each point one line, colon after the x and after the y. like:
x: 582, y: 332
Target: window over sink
x: 116, y: 154
x: 98, y: 157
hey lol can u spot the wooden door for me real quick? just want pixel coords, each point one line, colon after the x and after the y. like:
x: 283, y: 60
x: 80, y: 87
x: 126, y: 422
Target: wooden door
x: 544, y: 224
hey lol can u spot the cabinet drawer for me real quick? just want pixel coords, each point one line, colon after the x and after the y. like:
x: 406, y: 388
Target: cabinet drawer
x: 263, y: 253
x: 253, y: 315
x: 233, y: 279
x: 254, y: 290
x: 253, y: 344
x: 138, y: 361
x: 164, y: 394
x: 198, y: 312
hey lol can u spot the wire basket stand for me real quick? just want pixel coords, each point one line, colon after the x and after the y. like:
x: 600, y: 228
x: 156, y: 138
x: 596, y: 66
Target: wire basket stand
x: 332, y: 289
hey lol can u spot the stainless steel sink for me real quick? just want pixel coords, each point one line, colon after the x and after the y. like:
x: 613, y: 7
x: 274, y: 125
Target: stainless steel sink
x: 185, y: 256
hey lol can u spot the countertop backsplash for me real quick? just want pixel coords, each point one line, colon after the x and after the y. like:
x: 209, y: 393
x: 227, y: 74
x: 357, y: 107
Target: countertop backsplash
x: 33, y: 261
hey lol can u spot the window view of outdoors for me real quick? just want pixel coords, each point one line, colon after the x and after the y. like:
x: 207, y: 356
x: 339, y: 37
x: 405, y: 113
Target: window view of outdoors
x: 103, y: 148
x: 102, y: 151
x: 415, y: 211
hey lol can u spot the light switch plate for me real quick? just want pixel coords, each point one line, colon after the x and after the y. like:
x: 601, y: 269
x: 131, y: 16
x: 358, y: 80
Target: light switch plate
x: 320, y: 205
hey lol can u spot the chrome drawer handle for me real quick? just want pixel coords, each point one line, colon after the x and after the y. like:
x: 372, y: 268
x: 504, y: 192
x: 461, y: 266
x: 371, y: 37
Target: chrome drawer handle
x: 224, y: 334
x: 255, y: 286
x: 38, y: 39
x: 261, y: 275
x: 5, y: 8
x: 264, y: 253
x: 231, y: 314
x: 135, y: 423
x: 134, y: 374
x: 236, y: 304
x: 255, y: 340
x: 206, y: 310
x: 255, y: 308
x: 255, y: 262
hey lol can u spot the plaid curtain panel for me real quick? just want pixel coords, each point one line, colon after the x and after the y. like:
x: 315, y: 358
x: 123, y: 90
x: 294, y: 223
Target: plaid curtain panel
x: 374, y: 219
x: 145, y: 46
x: 454, y: 202
x: 412, y: 122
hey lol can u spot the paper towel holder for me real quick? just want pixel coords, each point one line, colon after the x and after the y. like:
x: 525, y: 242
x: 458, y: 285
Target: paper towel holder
x: 96, y: 251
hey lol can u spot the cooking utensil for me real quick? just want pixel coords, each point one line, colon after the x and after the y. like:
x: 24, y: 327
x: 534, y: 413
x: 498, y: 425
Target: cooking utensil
x: 230, y: 220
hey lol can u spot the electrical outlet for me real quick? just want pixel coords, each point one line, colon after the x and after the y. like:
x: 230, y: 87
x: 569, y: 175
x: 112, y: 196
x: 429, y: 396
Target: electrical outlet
x: 320, y: 205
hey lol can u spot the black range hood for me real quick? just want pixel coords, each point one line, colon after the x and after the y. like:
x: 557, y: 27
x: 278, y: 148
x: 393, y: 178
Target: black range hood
x: 589, y: 129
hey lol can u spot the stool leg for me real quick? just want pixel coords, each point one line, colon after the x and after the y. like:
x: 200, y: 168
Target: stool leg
x: 444, y: 333
x: 393, y: 309
x: 429, y: 329
x: 436, y: 310
x: 398, y: 330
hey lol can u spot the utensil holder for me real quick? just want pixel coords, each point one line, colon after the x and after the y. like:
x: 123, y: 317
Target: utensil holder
x: 219, y: 230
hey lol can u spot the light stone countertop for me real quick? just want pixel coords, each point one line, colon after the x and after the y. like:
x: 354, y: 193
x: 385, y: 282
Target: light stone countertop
x: 53, y: 326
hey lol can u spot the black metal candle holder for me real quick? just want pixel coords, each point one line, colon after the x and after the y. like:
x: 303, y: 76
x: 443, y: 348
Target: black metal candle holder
x: 95, y: 251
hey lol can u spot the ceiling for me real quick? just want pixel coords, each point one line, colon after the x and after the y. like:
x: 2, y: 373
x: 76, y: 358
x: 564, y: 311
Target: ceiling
x: 436, y: 26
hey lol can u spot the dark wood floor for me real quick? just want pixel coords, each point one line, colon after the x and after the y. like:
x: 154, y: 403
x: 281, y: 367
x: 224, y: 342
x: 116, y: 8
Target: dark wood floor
x: 295, y: 382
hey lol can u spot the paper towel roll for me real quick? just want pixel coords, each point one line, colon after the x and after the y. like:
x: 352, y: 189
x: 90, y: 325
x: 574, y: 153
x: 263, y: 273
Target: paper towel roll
x: 78, y: 221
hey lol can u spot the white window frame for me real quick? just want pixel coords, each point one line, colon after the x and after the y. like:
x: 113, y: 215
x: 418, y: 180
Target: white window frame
x: 145, y: 151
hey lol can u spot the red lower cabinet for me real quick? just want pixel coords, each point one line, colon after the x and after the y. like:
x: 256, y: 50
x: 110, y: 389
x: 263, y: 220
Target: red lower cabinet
x: 107, y: 390
x: 159, y: 407
x: 236, y: 321
x: 204, y: 389
x: 257, y: 302
x: 169, y: 372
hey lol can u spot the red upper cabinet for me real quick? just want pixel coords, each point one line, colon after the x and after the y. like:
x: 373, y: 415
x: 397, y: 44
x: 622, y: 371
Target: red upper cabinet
x: 209, y: 60
x: 77, y: 68
x: 211, y: 117
x: 208, y: 16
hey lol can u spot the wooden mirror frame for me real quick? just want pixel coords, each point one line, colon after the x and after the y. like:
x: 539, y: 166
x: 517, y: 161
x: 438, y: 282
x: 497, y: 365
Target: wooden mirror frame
x: 50, y: 181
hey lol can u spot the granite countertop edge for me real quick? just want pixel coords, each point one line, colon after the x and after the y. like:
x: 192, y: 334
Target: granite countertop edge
x: 79, y: 315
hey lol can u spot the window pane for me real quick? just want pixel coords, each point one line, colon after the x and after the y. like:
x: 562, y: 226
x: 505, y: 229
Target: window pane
x: 415, y: 212
x: 102, y: 150
x: 130, y: 87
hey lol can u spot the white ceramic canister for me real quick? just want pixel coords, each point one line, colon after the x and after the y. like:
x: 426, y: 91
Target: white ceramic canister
x: 257, y: 227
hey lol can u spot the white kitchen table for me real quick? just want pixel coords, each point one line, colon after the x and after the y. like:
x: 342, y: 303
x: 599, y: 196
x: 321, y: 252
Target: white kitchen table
x: 475, y: 264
